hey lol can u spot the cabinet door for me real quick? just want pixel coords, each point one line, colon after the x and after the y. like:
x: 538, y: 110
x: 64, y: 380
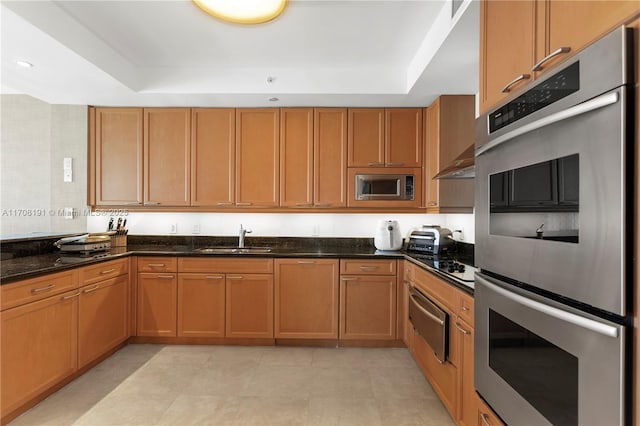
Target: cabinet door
x: 157, y: 304
x: 330, y: 157
x: 507, y: 47
x: 467, y: 400
x: 403, y: 135
x: 367, y: 307
x: 432, y: 148
x: 574, y: 24
x: 249, y: 306
x: 39, y: 347
x: 366, y: 137
x: 296, y: 157
x: 201, y: 305
x: 213, y: 156
x: 257, y: 157
x: 103, y: 318
x: 118, y: 156
x: 167, y: 156
x: 306, y: 298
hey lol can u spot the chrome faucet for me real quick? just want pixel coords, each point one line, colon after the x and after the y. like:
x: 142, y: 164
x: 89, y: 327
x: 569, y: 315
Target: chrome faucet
x: 243, y: 232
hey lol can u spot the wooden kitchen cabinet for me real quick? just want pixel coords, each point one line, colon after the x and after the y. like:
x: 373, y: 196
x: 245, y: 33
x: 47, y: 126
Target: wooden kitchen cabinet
x: 485, y: 415
x: 201, y: 305
x: 117, y: 162
x: 306, y: 298
x: 385, y: 137
x: 213, y: 157
x: 450, y: 122
x: 167, y: 156
x: 366, y: 143
x: 296, y: 157
x: 367, y: 307
x: 330, y: 157
x: 39, y: 348
x: 157, y: 304
x: 103, y: 319
x: 249, y: 305
x: 467, y: 398
x: 257, y: 157
x: 517, y: 35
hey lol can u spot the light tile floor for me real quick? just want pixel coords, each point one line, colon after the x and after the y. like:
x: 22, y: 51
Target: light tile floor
x: 234, y: 385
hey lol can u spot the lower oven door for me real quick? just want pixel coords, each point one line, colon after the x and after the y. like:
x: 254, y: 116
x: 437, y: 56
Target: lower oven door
x: 539, y: 362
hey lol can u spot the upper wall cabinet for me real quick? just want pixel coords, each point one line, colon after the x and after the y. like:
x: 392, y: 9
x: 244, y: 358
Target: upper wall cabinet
x: 381, y: 137
x: 449, y: 130
x: 118, y: 156
x: 296, y: 157
x: 257, y: 157
x: 521, y: 39
x: 213, y: 157
x: 167, y: 146
x: 330, y: 157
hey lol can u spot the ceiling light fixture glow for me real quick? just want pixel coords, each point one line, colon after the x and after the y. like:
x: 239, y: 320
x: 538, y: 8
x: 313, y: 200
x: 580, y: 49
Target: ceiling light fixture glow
x: 243, y: 11
x: 24, y: 64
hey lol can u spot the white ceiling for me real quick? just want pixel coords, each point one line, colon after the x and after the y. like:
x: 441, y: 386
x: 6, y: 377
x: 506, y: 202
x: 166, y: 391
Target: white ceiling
x: 169, y: 52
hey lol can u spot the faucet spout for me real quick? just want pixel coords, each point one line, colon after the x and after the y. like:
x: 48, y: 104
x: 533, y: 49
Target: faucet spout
x: 241, y: 235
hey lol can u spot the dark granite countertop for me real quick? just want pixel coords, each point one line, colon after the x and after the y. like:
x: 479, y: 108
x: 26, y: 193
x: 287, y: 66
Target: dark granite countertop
x: 31, y: 265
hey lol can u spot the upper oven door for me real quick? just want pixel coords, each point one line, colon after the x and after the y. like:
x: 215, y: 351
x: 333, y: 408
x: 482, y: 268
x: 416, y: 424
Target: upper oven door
x: 551, y: 179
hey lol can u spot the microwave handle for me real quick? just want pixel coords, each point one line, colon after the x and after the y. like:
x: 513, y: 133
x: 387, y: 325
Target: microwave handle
x: 578, y: 320
x: 595, y: 103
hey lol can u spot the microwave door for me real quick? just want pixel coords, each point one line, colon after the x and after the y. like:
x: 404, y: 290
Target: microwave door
x: 379, y: 187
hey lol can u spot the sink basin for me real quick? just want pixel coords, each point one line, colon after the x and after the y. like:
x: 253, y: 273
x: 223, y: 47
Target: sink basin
x: 234, y: 250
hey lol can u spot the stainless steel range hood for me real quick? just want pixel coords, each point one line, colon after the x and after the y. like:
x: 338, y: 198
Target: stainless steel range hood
x: 462, y: 167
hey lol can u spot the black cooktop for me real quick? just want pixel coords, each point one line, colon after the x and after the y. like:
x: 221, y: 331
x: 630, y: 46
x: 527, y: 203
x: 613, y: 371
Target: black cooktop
x: 450, y: 264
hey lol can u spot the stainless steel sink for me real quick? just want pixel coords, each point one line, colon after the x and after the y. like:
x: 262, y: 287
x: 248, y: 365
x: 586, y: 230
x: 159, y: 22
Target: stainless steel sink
x: 234, y: 250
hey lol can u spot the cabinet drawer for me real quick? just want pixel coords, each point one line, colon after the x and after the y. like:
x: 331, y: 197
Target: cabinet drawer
x: 225, y: 265
x: 103, y: 271
x: 368, y: 266
x: 434, y: 287
x: 33, y: 289
x: 465, y: 308
x: 157, y: 264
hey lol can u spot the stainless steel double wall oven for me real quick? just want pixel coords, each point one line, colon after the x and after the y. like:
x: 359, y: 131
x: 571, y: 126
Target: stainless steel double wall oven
x: 553, y: 167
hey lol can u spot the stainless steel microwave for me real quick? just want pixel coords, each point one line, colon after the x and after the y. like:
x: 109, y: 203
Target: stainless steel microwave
x: 376, y: 186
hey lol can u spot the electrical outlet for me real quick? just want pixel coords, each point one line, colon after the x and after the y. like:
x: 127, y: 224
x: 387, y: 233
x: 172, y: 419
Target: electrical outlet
x: 315, y: 231
x: 196, y: 229
x: 459, y: 233
x: 173, y: 228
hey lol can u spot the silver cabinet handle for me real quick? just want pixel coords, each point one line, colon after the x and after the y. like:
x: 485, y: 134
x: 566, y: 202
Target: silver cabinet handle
x: 349, y: 278
x: 151, y: 203
x: 485, y: 419
x: 464, y: 309
x: 235, y: 277
x: 224, y: 204
x: 375, y: 164
x: 135, y: 203
x: 323, y: 205
x: 560, y: 51
x: 41, y: 289
x: 214, y: 277
x: 507, y: 88
x: 156, y: 265
x: 593, y: 104
x: 306, y: 262
x: 368, y: 268
x: 459, y: 327
x: 108, y: 271
x: 244, y: 204
x: 71, y: 296
x: 432, y: 203
x: 165, y: 276
x: 304, y: 204
x: 395, y: 164
x: 89, y: 290
x: 580, y: 321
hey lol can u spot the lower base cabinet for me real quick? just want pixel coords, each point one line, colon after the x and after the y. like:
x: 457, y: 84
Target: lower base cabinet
x: 249, y: 305
x: 103, y: 318
x: 368, y: 307
x: 485, y: 415
x: 467, y: 398
x: 157, y: 304
x: 39, y: 347
x: 201, y: 300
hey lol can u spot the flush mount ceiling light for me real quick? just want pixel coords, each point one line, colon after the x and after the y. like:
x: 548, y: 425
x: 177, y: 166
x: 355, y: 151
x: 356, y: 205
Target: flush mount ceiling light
x: 243, y: 11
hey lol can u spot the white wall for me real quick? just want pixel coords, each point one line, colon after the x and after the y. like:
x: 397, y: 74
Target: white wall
x: 281, y: 224
x: 35, y: 137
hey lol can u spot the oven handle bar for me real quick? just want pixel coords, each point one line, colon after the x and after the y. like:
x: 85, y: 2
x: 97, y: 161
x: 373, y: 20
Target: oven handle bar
x: 583, y: 322
x: 595, y: 103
